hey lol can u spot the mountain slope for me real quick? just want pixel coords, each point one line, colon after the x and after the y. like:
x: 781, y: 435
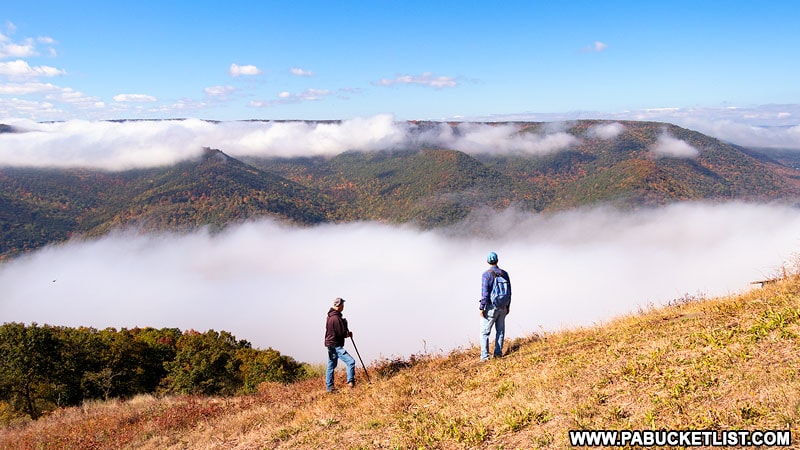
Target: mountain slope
x: 217, y: 190
x: 628, y: 170
x: 429, y: 187
x: 41, y: 206
x: 730, y: 363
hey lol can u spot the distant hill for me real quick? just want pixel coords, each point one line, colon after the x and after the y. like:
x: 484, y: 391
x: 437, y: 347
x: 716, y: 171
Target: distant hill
x: 215, y: 190
x: 785, y: 157
x: 430, y: 187
x: 625, y: 171
x: 38, y: 206
x: 427, y: 186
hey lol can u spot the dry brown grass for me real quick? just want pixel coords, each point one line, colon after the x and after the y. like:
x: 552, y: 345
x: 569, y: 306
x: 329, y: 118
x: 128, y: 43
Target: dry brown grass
x: 727, y: 363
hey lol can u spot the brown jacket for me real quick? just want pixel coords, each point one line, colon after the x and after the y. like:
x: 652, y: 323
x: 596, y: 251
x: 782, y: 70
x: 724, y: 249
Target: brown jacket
x: 336, y: 330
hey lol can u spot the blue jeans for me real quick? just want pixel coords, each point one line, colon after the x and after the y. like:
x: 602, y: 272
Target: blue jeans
x: 334, y: 355
x: 495, y: 317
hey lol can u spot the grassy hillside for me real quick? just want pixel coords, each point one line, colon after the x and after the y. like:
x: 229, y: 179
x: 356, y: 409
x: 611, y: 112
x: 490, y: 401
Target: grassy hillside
x: 723, y: 364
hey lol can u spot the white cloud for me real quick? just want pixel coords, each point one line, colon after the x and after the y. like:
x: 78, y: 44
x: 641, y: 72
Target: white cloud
x: 23, y: 49
x: 746, y: 134
x: 34, y: 109
x: 134, y: 98
x: 426, y: 79
x: 597, y: 46
x: 668, y: 146
x: 287, y: 139
x: 219, y: 91
x: 48, y: 94
x: 606, y: 131
x: 499, y: 139
x: 313, y: 94
x: 106, y: 145
x: 300, y: 72
x: 75, y: 98
x: 754, y: 126
x: 272, y: 284
x: 14, y: 50
x: 237, y: 70
x: 116, y: 146
x: 27, y: 88
x: 20, y: 68
x: 286, y: 97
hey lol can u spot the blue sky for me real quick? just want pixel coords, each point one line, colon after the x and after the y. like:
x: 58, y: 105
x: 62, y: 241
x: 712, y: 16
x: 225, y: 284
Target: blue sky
x: 415, y: 60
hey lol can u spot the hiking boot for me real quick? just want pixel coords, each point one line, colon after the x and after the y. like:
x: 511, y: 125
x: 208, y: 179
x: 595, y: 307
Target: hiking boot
x: 351, y: 384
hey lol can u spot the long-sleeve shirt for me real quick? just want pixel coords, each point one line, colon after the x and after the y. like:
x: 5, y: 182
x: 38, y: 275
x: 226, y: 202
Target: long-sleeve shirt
x: 486, y: 286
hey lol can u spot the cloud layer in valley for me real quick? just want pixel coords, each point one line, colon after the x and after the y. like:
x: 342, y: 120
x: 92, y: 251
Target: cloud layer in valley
x: 767, y: 126
x: 408, y: 291
x: 123, y: 145
x: 136, y: 144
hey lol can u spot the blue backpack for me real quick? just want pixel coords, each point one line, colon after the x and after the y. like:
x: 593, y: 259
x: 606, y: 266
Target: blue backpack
x: 500, y: 295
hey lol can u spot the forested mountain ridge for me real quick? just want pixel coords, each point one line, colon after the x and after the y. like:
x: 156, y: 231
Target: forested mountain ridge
x: 428, y: 185
x: 39, y: 206
x: 439, y: 186
x: 217, y: 190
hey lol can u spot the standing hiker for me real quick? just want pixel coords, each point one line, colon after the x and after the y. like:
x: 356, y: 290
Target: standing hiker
x: 495, y: 304
x: 336, y: 332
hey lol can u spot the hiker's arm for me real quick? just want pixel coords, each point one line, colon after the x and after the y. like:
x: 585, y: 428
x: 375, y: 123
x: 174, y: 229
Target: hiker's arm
x: 486, y: 288
x: 508, y: 277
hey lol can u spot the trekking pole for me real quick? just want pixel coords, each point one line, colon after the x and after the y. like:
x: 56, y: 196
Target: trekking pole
x: 359, y: 358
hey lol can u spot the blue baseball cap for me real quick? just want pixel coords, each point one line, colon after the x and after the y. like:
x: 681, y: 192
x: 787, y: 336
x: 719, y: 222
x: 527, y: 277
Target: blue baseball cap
x: 491, y: 258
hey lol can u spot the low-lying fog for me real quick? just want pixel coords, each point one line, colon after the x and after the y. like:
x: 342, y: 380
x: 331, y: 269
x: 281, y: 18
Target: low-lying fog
x: 407, y: 290
x: 133, y: 144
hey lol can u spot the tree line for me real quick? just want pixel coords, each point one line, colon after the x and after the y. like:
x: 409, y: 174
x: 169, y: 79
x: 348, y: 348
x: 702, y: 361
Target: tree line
x: 46, y: 367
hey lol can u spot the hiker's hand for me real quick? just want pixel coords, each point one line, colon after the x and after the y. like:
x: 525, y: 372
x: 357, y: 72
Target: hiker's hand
x: 483, y: 313
x: 349, y: 334
x: 509, y: 310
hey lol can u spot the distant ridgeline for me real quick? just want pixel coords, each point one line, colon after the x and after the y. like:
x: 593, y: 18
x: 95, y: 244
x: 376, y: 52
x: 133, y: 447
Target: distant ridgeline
x: 45, y: 367
x: 430, y: 187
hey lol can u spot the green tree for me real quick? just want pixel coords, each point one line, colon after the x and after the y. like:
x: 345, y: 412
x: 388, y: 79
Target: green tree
x: 258, y: 366
x: 205, y: 363
x: 28, y: 355
x: 79, y: 354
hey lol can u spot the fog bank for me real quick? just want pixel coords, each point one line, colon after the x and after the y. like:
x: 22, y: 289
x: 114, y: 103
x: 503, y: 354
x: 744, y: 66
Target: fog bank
x: 407, y: 291
x: 137, y: 144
